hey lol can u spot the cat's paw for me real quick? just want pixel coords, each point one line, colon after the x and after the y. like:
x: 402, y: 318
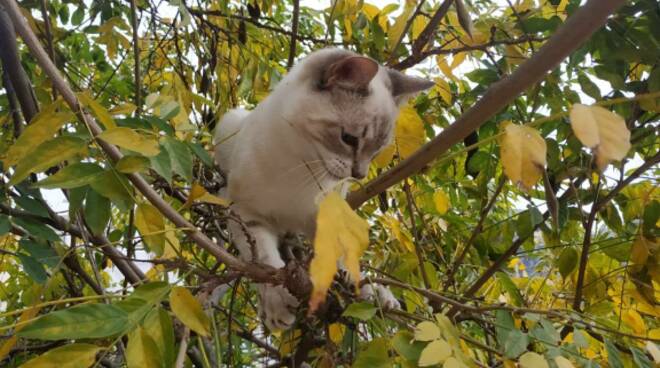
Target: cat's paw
x: 277, y: 307
x: 380, y: 295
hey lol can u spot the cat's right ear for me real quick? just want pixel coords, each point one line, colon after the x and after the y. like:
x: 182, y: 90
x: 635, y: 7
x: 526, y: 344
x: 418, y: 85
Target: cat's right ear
x: 352, y: 73
x: 405, y: 87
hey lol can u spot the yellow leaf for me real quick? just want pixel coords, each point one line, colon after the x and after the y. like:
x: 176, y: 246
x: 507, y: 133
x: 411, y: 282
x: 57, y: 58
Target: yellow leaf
x: 188, y: 310
x: 340, y: 234
x: 562, y: 5
x: 132, y: 163
x: 395, y: 32
x: 451, y: 362
x: 336, y: 331
x: 418, y: 26
x: 123, y: 109
x: 427, y: 331
x: 199, y: 194
x: 42, y: 128
x: 640, y: 251
x: 435, y: 352
x: 27, y: 315
x: 151, y: 225
x: 400, y: 234
x: 652, y: 348
x: 445, y: 68
x: 172, y: 245
x: 442, y: 88
x: 48, y: 154
x: 532, y: 360
x: 522, y: 151
x: 601, y: 130
x: 634, y: 320
x: 458, y: 60
x: 409, y: 132
x: 441, y: 201
x: 142, y: 351
x: 67, y: 356
x: 384, y: 157
x: 563, y: 362
x: 99, y: 111
x: 131, y: 140
x: 370, y: 10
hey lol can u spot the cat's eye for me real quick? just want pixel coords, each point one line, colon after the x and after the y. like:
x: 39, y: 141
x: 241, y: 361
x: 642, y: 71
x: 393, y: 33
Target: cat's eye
x: 349, y: 139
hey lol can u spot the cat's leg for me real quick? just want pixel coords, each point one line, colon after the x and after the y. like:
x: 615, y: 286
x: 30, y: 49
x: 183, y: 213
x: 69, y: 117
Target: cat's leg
x: 276, y: 305
x: 380, y: 295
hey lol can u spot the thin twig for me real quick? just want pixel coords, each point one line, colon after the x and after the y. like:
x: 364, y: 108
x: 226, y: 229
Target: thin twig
x: 294, y: 33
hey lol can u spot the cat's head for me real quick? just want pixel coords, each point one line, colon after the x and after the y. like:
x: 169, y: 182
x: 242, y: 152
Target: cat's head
x: 346, y: 105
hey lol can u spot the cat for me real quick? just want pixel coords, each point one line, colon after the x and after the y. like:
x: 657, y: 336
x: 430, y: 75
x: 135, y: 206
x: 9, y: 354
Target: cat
x: 323, y: 122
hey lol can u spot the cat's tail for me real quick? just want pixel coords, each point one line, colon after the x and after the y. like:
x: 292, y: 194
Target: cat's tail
x: 224, y: 139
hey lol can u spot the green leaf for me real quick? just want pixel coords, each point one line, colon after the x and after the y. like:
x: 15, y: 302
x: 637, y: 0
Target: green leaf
x: 363, y: 311
x: 201, y: 153
x: 67, y: 356
x: 5, y: 225
x: 515, y: 344
x: 374, y: 355
x: 32, y: 206
x: 131, y: 140
x: 510, y: 287
x: 589, y: 87
x: 42, y: 128
x: 180, y: 156
x: 78, y: 15
x: 406, y: 347
x: 567, y: 261
x: 86, y: 321
x: 503, y: 325
x: 47, y: 155
x: 41, y: 252
x: 545, y: 332
x: 97, y: 212
x: 72, y: 176
x: 532, y: 360
x: 36, y: 229
x: 141, y: 350
x: 613, y: 354
x: 169, y: 110
x: 76, y: 197
x: 131, y: 164
x: 158, y: 325
x: 162, y: 165
x: 113, y: 186
x: 641, y: 360
x: 33, y: 268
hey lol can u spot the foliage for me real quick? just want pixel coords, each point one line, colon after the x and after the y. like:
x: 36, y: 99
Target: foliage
x: 533, y: 242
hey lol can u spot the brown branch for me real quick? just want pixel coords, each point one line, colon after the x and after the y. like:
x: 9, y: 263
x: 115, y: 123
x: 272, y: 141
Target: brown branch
x: 12, y: 66
x: 427, y: 33
x: 294, y: 33
x: 258, y: 273
x: 577, y: 29
x: 136, y: 56
x: 49, y: 37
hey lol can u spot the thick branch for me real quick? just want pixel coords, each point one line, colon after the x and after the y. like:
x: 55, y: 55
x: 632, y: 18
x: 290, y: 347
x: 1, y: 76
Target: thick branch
x: 294, y: 33
x: 569, y: 37
x: 136, y: 56
x: 13, y: 68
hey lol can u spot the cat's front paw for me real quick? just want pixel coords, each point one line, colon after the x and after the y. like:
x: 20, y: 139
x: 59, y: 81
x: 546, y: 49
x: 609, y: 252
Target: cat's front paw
x: 277, y: 307
x: 379, y: 295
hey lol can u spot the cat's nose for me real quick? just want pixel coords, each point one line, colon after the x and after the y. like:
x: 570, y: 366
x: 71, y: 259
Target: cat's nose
x: 358, y: 172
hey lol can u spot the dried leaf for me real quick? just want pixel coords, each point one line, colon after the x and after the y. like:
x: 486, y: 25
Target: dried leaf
x: 522, y: 151
x: 601, y: 130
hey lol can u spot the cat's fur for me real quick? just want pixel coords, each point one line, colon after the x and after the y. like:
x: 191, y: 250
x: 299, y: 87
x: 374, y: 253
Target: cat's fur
x: 324, y: 122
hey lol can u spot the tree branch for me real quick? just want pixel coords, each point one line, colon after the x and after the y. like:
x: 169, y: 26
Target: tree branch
x: 294, y: 33
x: 568, y: 37
x: 136, y: 57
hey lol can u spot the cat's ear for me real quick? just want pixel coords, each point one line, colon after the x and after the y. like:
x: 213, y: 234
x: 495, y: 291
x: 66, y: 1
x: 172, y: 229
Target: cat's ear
x: 404, y: 86
x: 353, y: 72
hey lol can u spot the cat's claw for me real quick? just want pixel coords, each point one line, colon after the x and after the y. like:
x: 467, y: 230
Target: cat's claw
x: 277, y: 307
x: 379, y: 295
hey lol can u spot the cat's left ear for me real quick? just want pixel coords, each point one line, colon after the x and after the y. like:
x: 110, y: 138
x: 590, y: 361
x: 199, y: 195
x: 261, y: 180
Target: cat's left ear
x: 353, y: 72
x: 404, y: 86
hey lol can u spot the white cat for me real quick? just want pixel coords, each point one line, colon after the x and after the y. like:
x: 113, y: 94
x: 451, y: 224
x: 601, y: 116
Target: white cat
x: 325, y: 121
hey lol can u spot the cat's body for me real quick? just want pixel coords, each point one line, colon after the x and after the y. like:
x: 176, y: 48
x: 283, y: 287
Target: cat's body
x: 324, y: 122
